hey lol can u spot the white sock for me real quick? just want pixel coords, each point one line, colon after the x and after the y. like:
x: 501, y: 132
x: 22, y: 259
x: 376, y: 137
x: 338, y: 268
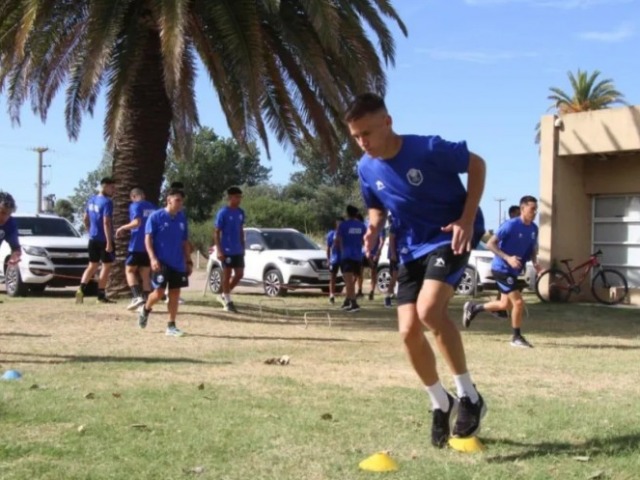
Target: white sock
x: 438, y: 395
x: 226, y: 297
x: 465, y: 387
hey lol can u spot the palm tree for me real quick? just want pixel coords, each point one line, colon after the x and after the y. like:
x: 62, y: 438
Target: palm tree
x: 285, y: 65
x: 588, y: 94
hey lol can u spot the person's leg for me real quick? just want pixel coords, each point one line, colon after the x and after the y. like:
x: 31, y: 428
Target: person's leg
x: 145, y: 276
x: 374, y: 279
x: 172, y: 306
x: 471, y: 309
x: 238, y: 273
x: 154, y: 297
x: 517, y: 313
x: 226, y: 281
x: 102, y: 280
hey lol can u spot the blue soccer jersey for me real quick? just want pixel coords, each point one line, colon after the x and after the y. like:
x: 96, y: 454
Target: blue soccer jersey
x: 9, y: 234
x: 351, y: 233
x: 334, y: 258
x: 422, y: 189
x: 98, y: 207
x: 230, y: 222
x: 141, y: 210
x: 515, y: 238
x: 168, y: 234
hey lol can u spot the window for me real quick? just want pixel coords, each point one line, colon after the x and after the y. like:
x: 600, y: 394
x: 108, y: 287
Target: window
x: 616, y: 231
x: 253, y: 238
x: 45, y: 227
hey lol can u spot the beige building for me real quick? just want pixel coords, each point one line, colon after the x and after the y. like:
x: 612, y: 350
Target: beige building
x: 590, y: 191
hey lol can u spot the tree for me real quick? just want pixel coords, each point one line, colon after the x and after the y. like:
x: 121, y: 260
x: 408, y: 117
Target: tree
x: 214, y: 165
x: 316, y: 172
x: 64, y: 208
x: 90, y: 184
x: 286, y: 65
x: 587, y: 93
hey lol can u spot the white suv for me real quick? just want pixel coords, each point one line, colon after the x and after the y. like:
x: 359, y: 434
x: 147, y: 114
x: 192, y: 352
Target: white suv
x: 279, y: 259
x: 53, y: 255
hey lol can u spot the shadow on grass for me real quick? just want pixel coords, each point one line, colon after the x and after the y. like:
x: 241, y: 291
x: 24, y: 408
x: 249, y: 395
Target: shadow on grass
x: 591, y: 448
x: 288, y: 339
x: 53, y: 358
x: 590, y: 346
x: 22, y: 334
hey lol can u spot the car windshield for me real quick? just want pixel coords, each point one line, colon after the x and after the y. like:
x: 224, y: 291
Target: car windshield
x: 286, y: 240
x: 45, y: 227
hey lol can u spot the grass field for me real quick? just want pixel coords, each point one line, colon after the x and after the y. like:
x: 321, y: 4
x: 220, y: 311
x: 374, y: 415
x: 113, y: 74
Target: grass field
x: 101, y: 399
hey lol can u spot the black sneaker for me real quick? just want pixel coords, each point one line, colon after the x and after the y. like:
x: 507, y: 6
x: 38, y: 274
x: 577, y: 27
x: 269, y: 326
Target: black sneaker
x: 359, y: 294
x: 502, y: 314
x: 353, y: 307
x: 332, y: 300
x: 143, y: 317
x: 105, y: 300
x: 346, y: 304
x: 443, y: 423
x: 469, y: 417
x: 371, y: 295
x: 467, y: 314
x: 230, y: 307
x: 521, y: 342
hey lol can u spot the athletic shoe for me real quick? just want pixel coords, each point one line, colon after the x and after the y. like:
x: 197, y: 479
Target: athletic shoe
x: 502, y: 314
x: 359, y: 294
x: 143, y: 317
x: 135, y: 303
x: 371, y: 293
x: 387, y: 302
x: 469, y: 416
x: 79, y: 296
x: 520, y: 341
x: 467, y: 314
x: 346, y: 304
x: 332, y: 300
x: 105, y: 300
x: 230, y: 307
x: 443, y: 423
x: 353, y: 307
x: 174, y: 332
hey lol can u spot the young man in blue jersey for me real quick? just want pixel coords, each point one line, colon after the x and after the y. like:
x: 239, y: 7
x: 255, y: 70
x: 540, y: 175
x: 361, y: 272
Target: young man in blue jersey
x: 98, y: 220
x: 370, y: 261
x: 8, y: 227
x: 349, y: 241
x: 167, y: 243
x: 392, y: 256
x: 229, y: 242
x: 137, y: 263
x: 514, y: 244
x: 514, y: 211
x: 333, y: 257
x: 416, y: 178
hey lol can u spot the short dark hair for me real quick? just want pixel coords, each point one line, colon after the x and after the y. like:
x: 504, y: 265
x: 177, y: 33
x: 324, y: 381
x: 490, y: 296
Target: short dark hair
x: 363, y: 105
x: 527, y: 199
x: 7, y: 201
x: 352, y: 211
x: 177, y: 185
x: 107, y: 181
x: 175, y: 191
x: 234, y: 191
x: 137, y: 191
x: 514, y: 210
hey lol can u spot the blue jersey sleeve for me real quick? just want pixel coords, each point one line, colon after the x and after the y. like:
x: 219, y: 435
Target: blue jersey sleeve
x: 219, y: 221
x: 449, y: 156
x: 504, y: 230
x: 136, y: 210
x: 330, y: 236
x: 11, y: 234
x: 368, y: 192
x: 108, y: 208
x: 148, y: 229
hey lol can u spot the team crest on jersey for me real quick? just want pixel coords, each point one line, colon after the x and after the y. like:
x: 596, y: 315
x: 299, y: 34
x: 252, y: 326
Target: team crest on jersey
x: 510, y: 280
x: 414, y: 176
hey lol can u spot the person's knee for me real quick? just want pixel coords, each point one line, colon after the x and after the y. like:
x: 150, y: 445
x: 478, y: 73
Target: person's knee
x: 239, y: 273
x: 433, y: 315
x: 411, y: 334
x: 518, y: 303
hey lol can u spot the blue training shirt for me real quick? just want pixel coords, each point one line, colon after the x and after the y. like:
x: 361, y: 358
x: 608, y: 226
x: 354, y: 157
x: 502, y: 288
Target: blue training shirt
x: 98, y: 207
x: 422, y: 189
x: 334, y: 258
x: 351, y: 233
x: 230, y: 221
x: 515, y: 238
x: 9, y: 234
x: 141, y: 210
x: 168, y: 234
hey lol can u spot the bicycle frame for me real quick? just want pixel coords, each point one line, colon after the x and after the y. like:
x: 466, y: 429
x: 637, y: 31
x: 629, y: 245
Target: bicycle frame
x: 589, y: 265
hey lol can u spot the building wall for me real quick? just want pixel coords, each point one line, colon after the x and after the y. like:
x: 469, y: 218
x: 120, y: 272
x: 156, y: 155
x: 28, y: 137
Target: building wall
x: 614, y: 175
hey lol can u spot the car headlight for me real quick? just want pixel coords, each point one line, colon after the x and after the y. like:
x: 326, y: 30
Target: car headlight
x: 292, y: 261
x: 35, y: 251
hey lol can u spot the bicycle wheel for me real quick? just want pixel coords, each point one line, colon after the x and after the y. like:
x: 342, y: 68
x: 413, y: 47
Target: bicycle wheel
x: 553, y: 286
x: 609, y: 286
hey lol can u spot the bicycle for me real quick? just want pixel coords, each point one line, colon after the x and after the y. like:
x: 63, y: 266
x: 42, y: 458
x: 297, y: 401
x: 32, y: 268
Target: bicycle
x: 608, y: 286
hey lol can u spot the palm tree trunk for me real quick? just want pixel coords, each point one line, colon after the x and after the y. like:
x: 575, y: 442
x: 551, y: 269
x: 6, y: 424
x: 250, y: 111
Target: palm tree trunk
x: 140, y: 150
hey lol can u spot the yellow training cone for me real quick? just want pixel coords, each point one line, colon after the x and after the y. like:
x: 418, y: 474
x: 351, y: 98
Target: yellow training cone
x: 379, y: 462
x: 466, y: 445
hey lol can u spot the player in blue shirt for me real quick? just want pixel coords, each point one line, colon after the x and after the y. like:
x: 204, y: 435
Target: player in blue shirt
x: 370, y: 261
x: 167, y: 243
x: 8, y: 227
x: 514, y: 211
x: 416, y: 178
x: 333, y: 257
x: 137, y: 262
x: 348, y: 241
x: 99, y: 224
x: 514, y: 244
x: 229, y: 242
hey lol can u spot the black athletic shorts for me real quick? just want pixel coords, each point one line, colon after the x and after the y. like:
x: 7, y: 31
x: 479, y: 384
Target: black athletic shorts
x: 393, y: 266
x: 506, y: 282
x: 369, y: 262
x: 334, y: 268
x: 351, y: 266
x: 233, y: 261
x: 98, y: 252
x: 137, y: 259
x: 168, y: 277
x: 440, y: 264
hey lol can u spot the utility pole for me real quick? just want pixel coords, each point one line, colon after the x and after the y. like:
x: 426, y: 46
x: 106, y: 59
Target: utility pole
x: 39, y: 185
x: 499, y: 200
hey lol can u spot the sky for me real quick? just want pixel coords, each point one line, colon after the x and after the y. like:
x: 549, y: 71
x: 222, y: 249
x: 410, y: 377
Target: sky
x: 474, y: 70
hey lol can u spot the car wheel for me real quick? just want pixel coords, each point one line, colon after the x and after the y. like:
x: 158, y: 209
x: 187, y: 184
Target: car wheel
x: 384, y: 277
x: 468, y: 282
x: 37, y: 289
x: 13, y: 282
x: 273, y: 284
x: 215, y: 280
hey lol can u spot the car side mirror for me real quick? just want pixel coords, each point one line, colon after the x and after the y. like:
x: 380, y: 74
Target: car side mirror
x: 256, y: 247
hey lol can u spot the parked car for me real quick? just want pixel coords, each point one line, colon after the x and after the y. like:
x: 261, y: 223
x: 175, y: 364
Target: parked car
x: 477, y: 275
x: 53, y: 255
x: 278, y: 259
